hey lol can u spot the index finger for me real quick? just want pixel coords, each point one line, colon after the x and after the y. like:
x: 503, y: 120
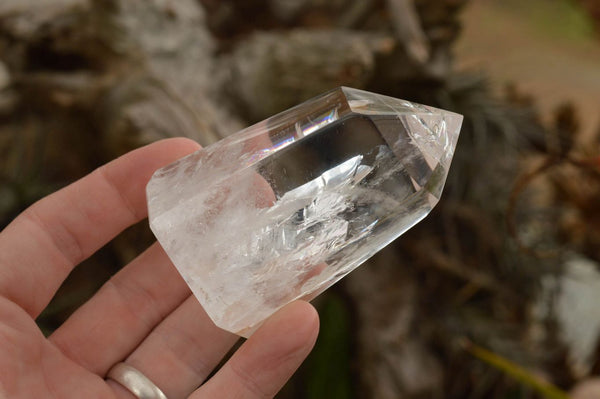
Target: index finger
x: 43, y: 244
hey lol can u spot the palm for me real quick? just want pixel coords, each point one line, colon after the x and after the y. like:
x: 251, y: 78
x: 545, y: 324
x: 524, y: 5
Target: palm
x: 144, y: 315
x: 32, y: 366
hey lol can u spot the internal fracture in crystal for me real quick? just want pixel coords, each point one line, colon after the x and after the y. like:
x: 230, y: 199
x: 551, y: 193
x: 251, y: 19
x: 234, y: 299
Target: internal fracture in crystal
x: 285, y: 208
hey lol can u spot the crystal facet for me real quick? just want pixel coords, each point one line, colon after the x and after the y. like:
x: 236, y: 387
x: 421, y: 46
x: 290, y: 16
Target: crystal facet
x: 287, y: 207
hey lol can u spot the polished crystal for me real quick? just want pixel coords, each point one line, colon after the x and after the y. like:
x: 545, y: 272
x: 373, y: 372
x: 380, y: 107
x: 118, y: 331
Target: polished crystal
x: 285, y: 208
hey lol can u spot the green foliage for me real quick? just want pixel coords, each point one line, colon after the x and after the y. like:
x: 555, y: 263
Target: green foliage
x: 328, y: 367
x: 559, y: 19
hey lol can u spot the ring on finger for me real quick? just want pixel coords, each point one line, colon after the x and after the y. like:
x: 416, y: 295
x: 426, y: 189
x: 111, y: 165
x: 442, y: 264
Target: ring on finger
x: 134, y: 381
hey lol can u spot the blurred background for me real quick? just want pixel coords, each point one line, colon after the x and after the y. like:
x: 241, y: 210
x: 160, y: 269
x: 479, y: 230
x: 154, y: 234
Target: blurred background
x: 495, y: 295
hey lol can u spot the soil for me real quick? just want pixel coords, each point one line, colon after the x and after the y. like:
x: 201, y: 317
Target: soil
x: 547, y: 48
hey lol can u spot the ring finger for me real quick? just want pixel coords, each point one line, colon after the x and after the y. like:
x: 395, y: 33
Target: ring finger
x: 182, y: 351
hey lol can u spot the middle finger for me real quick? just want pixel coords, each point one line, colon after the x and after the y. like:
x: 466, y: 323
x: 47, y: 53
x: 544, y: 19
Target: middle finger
x: 108, y: 327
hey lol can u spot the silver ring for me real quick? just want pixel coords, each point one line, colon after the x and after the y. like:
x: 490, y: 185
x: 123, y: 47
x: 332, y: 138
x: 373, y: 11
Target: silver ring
x: 135, y: 382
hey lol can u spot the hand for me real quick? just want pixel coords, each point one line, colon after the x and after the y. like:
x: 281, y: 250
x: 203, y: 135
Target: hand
x: 144, y: 315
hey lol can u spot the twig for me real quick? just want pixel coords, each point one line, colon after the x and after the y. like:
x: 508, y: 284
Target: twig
x: 408, y: 29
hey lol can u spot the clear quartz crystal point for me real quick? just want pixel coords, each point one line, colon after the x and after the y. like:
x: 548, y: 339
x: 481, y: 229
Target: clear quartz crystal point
x: 287, y: 207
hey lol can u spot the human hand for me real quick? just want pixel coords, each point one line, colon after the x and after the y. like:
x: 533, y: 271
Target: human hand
x: 144, y: 315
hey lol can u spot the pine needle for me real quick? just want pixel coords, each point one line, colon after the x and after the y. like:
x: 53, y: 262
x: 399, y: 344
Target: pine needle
x: 522, y: 375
